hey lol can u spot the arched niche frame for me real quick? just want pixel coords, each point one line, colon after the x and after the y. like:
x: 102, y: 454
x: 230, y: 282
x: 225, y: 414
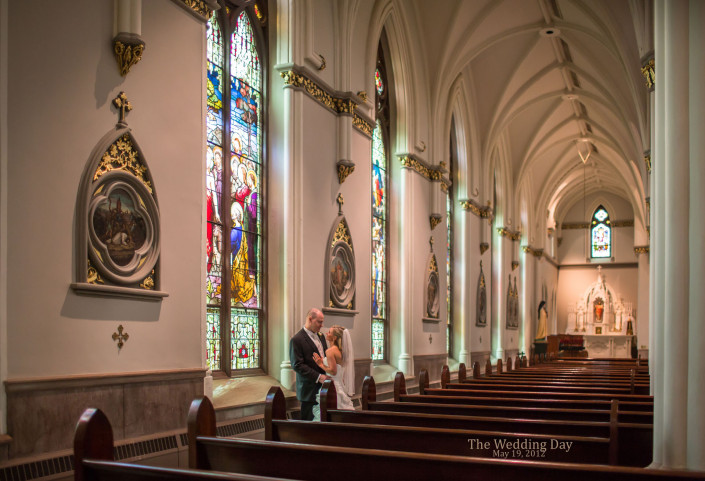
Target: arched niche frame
x: 340, y: 268
x: 118, y: 223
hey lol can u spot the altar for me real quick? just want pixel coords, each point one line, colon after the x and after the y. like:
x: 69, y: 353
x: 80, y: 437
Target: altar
x: 604, y: 320
x: 608, y: 345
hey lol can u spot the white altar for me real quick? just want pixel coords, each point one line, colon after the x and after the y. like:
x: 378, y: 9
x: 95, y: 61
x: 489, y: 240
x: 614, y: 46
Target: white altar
x: 604, y: 320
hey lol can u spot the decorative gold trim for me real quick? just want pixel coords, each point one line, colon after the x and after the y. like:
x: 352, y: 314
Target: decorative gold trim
x: 128, y: 51
x: 120, y: 337
x: 121, y: 156
x: 345, y: 168
x: 480, y: 211
x: 430, y: 173
x: 435, y: 219
x: 92, y: 276
x: 338, y: 102
x: 532, y: 251
x: 444, y: 187
x: 509, y: 234
x: 586, y: 225
x: 647, y: 161
x: 648, y: 70
x: 199, y: 7
x: 641, y: 250
x: 483, y: 247
x: 575, y: 225
x: 362, y: 125
x: 515, y: 264
x: 323, y: 63
x: 148, y: 282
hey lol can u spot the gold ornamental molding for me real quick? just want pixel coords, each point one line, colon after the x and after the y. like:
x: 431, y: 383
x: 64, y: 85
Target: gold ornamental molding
x: 647, y: 161
x: 128, y: 49
x: 509, y: 234
x: 641, y: 250
x: 345, y: 168
x: 484, y: 212
x: 201, y: 9
x: 483, y: 248
x: 435, y: 219
x: 515, y: 264
x: 648, y: 70
x: 586, y: 225
x: 534, y: 252
x: 341, y: 103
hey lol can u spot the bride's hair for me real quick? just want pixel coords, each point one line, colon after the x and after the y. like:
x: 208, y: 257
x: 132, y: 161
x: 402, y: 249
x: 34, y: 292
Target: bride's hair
x: 337, y: 332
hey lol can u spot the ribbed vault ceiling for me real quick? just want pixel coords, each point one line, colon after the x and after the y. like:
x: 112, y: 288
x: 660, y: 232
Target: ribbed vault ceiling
x: 549, y: 78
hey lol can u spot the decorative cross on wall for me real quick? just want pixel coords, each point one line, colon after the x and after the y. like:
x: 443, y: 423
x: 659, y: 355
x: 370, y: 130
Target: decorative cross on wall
x: 120, y: 337
x: 121, y: 103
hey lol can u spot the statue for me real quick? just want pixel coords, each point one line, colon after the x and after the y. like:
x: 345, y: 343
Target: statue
x: 541, y: 332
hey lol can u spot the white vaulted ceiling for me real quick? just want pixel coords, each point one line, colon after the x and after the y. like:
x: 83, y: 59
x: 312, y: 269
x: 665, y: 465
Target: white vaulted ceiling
x: 547, y: 78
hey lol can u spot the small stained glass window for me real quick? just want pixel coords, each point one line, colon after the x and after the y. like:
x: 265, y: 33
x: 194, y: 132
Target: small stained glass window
x: 379, y: 85
x: 601, y: 234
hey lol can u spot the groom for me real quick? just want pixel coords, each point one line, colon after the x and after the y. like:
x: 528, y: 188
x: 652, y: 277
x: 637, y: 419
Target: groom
x: 308, y: 375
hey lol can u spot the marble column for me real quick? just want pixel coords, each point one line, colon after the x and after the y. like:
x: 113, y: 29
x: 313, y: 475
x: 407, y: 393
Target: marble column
x: 679, y: 418
x: 527, y: 329
x: 465, y: 315
x: 499, y: 292
x: 641, y: 329
x: 406, y: 272
x: 696, y: 328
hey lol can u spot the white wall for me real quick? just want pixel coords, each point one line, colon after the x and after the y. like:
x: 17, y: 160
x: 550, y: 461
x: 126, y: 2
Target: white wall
x: 577, y: 272
x: 62, y: 85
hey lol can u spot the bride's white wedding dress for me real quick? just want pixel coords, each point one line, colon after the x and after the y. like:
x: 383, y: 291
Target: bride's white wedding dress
x: 344, y: 401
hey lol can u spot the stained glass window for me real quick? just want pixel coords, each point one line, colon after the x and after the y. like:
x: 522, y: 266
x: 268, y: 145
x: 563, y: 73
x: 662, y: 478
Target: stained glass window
x: 380, y: 314
x: 601, y: 234
x: 233, y: 201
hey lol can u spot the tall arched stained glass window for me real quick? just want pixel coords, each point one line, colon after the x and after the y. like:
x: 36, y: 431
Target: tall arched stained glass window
x: 600, y: 234
x: 449, y: 240
x: 380, y: 179
x: 234, y: 227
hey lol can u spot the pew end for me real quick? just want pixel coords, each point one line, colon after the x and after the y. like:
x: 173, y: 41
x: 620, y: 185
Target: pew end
x: 424, y: 382
x: 200, y: 422
x: 462, y: 372
x: 93, y: 439
x: 369, y: 392
x: 476, y: 370
x: 445, y: 376
x: 274, y: 408
x: 399, y: 386
x: 328, y: 398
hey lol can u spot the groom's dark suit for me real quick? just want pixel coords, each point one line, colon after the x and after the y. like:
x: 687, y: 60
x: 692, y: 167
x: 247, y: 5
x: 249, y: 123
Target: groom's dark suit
x: 301, y: 349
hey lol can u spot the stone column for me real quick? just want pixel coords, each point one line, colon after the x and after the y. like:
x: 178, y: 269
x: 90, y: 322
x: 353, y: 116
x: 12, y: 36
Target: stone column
x: 499, y: 292
x: 696, y: 328
x: 527, y: 328
x: 406, y: 271
x: 679, y: 111
x: 465, y: 315
x: 641, y: 328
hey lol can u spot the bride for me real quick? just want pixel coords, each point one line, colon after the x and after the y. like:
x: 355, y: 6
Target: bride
x: 339, y: 366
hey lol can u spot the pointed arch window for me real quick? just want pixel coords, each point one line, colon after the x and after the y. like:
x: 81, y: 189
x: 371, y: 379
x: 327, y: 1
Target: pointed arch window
x: 600, y: 234
x: 234, y: 186
x: 380, y: 209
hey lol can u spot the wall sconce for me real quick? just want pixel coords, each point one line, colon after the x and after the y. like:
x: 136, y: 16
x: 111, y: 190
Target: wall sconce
x: 127, y: 41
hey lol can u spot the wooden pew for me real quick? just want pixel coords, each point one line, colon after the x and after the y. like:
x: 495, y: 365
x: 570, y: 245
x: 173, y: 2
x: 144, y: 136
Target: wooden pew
x: 635, y: 440
x: 313, y: 462
x: 93, y: 456
x: 529, y: 408
x: 458, y: 442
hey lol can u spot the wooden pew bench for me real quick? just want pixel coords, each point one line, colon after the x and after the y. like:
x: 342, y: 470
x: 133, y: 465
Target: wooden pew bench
x: 634, y: 440
x: 93, y: 455
x: 573, y: 448
x: 315, y: 462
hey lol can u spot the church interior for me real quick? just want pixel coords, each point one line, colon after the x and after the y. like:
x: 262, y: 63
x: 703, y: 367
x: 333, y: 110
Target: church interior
x: 453, y: 182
